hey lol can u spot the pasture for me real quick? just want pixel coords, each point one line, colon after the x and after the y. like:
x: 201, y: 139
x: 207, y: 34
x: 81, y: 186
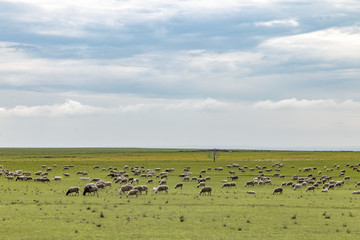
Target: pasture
x: 41, y: 210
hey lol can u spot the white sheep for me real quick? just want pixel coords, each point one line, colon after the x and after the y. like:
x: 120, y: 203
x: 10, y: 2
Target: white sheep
x: 73, y: 190
x: 205, y: 190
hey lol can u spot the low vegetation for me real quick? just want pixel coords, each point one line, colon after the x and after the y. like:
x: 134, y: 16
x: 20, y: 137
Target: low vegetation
x: 245, y: 208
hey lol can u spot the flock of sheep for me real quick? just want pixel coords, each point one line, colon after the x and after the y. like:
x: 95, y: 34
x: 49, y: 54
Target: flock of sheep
x: 129, y: 178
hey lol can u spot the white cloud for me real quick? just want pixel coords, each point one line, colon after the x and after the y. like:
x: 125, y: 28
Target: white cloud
x: 318, y: 104
x: 333, y: 44
x: 198, y: 68
x: 275, y: 23
x: 75, y: 108
x: 69, y: 108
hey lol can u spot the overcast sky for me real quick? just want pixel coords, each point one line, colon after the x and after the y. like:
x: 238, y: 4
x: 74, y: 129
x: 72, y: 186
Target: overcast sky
x: 259, y: 74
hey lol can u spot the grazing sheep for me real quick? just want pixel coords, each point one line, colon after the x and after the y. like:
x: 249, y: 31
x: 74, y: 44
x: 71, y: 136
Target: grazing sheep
x: 186, y: 179
x: 297, y: 186
x: 21, y: 178
x: 121, y: 180
x: 201, y: 180
x: 100, y: 185
x: 133, y: 192
x: 91, y: 188
x: 135, y: 181
x: 73, y: 190
x: 233, y: 177
x: 162, y: 182
x: 325, y: 190
x: 201, y: 184
x: 278, y: 190
x: 232, y: 184
x: 205, y: 190
x: 161, y: 188
x: 42, y: 179
x: 150, y: 181
x: 9, y: 177
x: 357, y: 184
x: 310, y: 188
x: 179, y: 185
x: 66, y: 174
x: 141, y: 189
x: 249, y: 183
x: 108, y: 184
x: 226, y: 185
x: 251, y: 192
x: 356, y: 192
x: 125, y: 188
x: 57, y: 178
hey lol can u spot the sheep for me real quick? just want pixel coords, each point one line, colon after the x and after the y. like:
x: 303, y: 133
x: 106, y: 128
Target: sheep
x: 310, y: 188
x: 57, y: 178
x: 150, y: 181
x: 201, y: 180
x: 162, y: 181
x: 28, y: 178
x: 73, y: 190
x: 100, y: 185
x: 278, y: 190
x: 225, y: 185
x: 9, y: 177
x: 297, y: 186
x: 161, y: 188
x: 325, y: 190
x: 41, y: 179
x: 142, y: 188
x: 186, y: 179
x: 357, y: 184
x: 135, y: 181
x: 108, y: 184
x: 201, y: 184
x: 21, y: 178
x: 179, y: 185
x: 251, y: 192
x: 133, y: 192
x: 249, y: 183
x: 91, y: 188
x: 356, y: 192
x: 233, y: 177
x: 205, y: 190
x: 125, y: 188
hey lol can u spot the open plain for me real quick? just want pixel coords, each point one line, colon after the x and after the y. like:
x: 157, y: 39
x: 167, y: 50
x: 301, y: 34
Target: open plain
x: 245, y: 209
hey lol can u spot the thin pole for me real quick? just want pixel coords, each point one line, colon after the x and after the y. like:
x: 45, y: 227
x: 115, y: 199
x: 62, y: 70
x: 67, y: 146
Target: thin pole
x: 214, y: 154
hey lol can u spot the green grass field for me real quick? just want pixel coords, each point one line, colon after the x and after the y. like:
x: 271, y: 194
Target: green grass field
x: 33, y: 210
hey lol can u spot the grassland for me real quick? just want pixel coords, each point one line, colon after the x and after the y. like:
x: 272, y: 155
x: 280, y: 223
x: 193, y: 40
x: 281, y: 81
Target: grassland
x: 32, y: 210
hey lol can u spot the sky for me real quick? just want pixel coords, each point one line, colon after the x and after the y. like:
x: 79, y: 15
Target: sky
x: 249, y: 74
